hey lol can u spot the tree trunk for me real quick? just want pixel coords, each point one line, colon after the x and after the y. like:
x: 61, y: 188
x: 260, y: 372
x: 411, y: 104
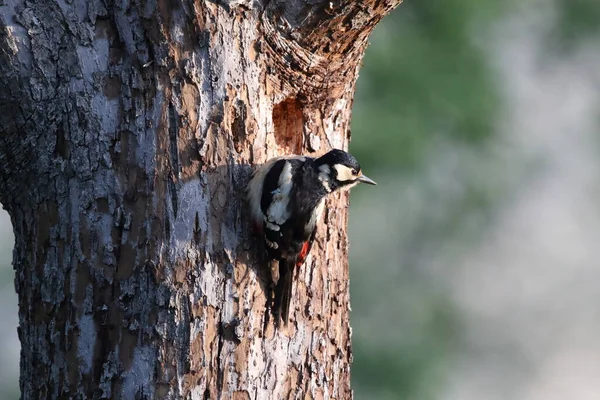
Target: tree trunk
x: 128, y: 132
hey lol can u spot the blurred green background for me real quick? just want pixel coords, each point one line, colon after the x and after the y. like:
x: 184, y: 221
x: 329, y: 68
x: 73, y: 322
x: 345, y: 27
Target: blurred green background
x: 470, y: 260
x: 474, y: 269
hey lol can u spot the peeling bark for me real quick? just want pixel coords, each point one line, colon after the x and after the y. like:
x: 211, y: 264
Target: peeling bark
x: 127, y: 135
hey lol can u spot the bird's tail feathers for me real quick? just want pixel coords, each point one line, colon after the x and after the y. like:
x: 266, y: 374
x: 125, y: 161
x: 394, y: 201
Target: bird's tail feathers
x: 283, y: 292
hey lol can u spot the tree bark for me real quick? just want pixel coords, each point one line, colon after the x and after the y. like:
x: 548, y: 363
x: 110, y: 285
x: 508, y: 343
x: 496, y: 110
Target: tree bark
x: 127, y: 134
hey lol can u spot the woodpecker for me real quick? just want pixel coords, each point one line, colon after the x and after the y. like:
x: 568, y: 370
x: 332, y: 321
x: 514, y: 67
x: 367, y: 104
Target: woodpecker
x: 286, y: 196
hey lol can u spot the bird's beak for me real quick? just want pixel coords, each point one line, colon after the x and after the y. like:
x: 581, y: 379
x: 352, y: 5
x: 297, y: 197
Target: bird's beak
x: 364, y: 179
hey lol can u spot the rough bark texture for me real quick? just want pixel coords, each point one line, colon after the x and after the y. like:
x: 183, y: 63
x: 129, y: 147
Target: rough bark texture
x: 127, y: 134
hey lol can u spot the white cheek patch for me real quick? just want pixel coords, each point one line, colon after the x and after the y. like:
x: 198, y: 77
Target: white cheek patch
x: 344, y: 173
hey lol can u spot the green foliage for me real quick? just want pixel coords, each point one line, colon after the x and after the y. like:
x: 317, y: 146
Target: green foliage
x: 427, y: 89
x: 425, y: 81
x: 6, y: 246
x: 424, y: 76
x: 414, y: 366
x: 577, y: 20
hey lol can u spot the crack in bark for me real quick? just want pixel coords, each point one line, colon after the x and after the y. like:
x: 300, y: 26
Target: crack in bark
x: 220, y: 370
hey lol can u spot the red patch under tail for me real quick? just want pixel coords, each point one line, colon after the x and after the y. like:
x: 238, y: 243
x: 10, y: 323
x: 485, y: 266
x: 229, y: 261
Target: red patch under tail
x: 303, y: 253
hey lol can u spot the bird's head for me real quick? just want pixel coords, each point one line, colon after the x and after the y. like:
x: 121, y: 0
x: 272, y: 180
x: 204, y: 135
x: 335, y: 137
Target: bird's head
x: 340, y: 170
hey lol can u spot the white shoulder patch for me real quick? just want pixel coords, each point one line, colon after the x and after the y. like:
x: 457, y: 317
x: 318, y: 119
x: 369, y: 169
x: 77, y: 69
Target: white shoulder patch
x: 344, y: 173
x: 278, y: 210
x: 255, y: 186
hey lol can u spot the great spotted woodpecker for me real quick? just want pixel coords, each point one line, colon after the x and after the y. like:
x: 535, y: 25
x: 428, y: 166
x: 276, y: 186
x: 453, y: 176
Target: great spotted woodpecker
x: 286, y: 197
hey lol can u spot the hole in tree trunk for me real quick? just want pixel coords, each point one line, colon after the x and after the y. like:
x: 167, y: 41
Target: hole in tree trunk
x: 288, y: 122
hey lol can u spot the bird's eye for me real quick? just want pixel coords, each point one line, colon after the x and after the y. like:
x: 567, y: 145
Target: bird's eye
x: 354, y: 172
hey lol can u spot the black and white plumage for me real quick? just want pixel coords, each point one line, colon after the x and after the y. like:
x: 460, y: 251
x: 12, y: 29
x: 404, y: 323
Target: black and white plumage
x: 286, y: 197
